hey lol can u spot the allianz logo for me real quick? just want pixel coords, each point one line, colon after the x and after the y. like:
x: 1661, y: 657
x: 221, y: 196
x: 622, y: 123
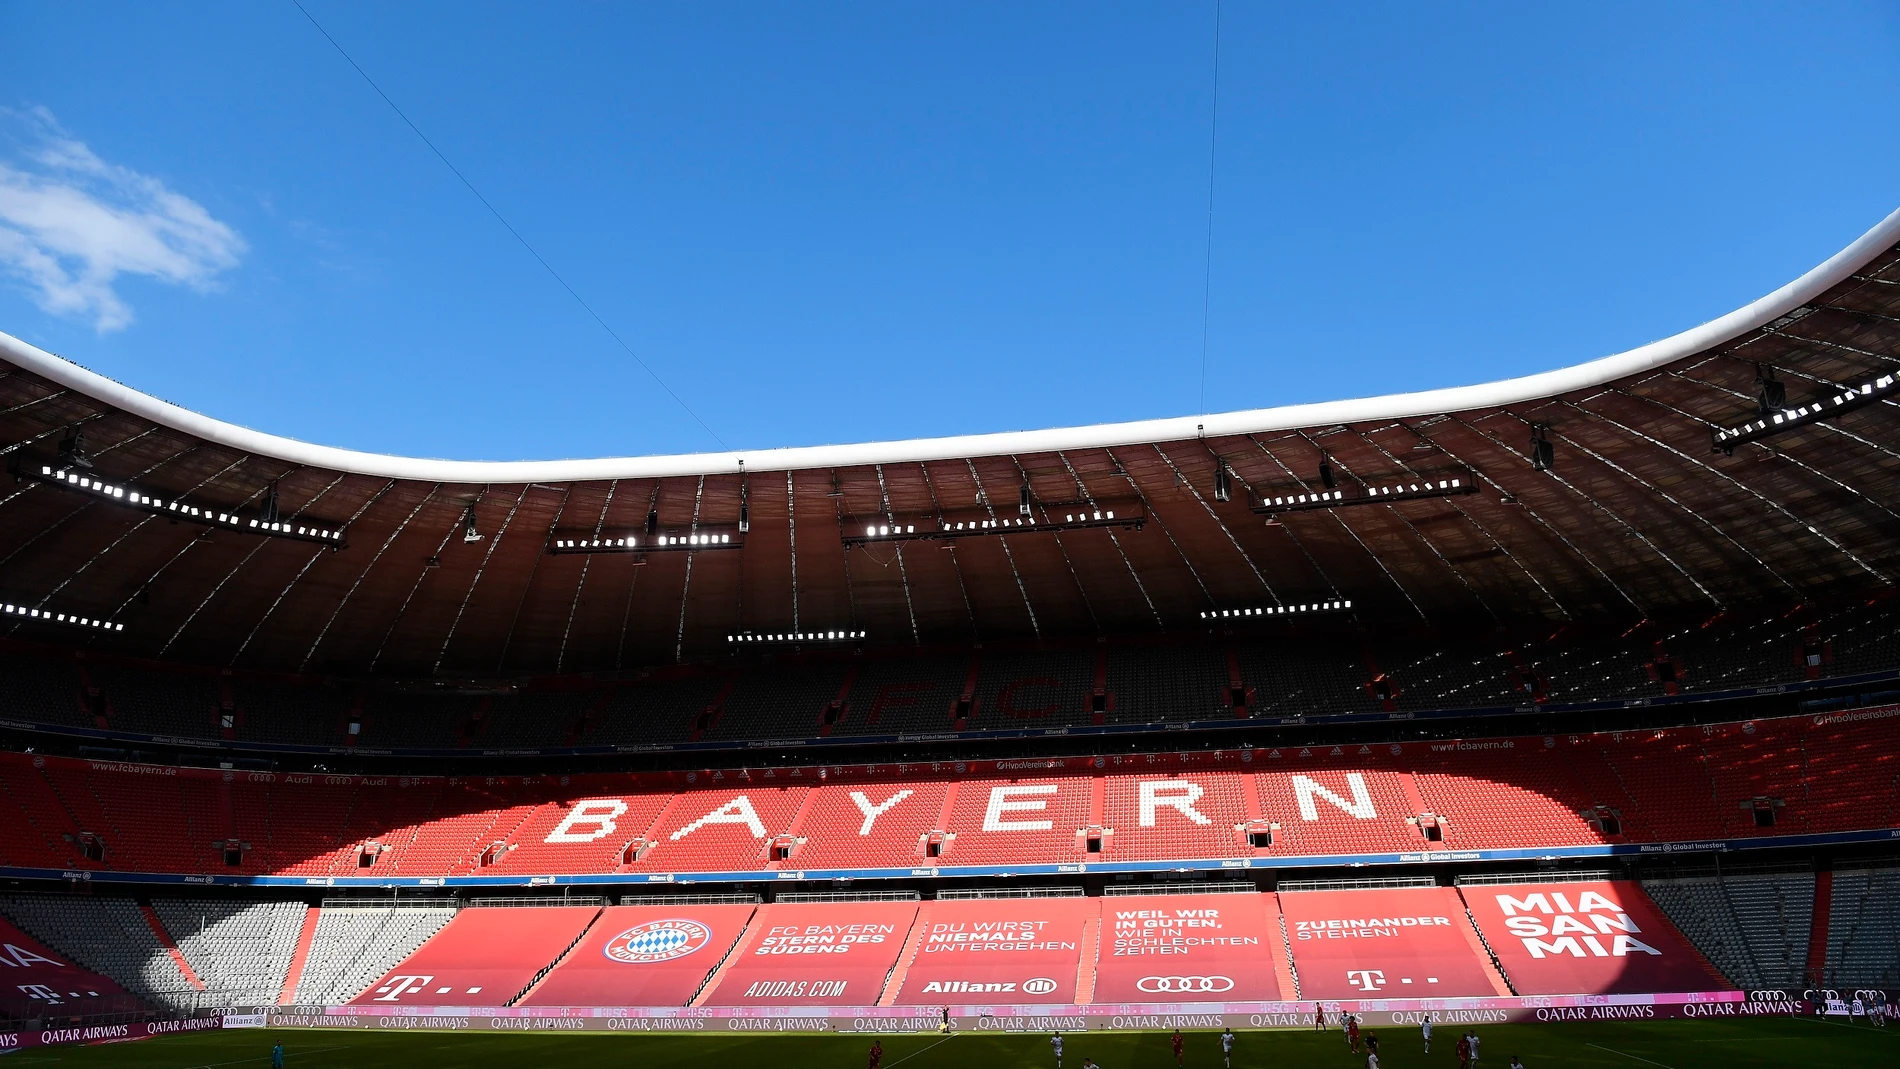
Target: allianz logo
x: 1038, y: 985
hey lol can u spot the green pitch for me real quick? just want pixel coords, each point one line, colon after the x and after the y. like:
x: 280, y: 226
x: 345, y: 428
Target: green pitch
x: 1619, y: 1045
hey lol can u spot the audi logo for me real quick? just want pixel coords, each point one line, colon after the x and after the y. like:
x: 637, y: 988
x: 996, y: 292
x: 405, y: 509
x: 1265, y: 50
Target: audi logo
x: 1823, y: 994
x: 1183, y: 985
x: 1039, y: 985
x: 1770, y: 996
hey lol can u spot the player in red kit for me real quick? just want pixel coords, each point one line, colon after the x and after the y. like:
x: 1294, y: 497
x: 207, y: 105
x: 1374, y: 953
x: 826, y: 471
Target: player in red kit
x: 877, y: 1054
x: 1177, y: 1047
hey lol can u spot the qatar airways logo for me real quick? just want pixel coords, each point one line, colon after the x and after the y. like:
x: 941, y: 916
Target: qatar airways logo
x: 654, y: 941
x: 1579, y: 931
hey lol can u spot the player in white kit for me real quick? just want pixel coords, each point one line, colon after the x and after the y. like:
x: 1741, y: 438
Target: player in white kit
x: 1227, y: 1047
x: 1055, y: 1044
x: 1425, y: 1028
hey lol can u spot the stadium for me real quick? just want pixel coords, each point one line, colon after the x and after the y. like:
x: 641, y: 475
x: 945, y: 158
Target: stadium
x: 1558, y: 702
x: 1441, y: 692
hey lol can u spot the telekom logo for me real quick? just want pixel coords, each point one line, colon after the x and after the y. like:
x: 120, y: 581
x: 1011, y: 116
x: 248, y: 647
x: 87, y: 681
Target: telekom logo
x: 1366, y: 979
x: 398, y: 986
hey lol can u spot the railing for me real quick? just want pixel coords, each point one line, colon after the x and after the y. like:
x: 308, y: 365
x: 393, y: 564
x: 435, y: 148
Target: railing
x: 1712, y: 871
x: 1012, y: 892
x: 1286, y: 951
x: 1491, y: 879
x: 849, y: 896
x: 367, y: 902
x: 1225, y: 887
x: 1366, y: 883
x: 690, y: 900
x: 597, y: 901
x: 552, y: 965
x: 1488, y: 952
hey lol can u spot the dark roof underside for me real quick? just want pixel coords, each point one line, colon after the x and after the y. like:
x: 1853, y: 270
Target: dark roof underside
x: 1639, y: 519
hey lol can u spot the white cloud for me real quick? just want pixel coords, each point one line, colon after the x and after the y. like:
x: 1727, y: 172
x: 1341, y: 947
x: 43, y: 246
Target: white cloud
x: 71, y: 224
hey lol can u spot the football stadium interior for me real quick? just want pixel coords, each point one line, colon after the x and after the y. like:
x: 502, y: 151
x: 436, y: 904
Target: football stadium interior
x: 1565, y: 696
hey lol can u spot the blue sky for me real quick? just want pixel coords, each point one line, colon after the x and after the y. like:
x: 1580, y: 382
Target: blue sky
x: 869, y: 221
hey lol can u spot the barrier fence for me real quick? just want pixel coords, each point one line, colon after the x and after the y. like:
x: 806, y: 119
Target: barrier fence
x: 1120, y: 1017
x: 1381, y: 1013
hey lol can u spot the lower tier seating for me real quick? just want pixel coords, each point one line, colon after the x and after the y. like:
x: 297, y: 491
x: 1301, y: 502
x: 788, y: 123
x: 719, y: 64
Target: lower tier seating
x: 1752, y: 927
x: 1863, y: 938
x: 1399, y: 939
x: 245, y: 946
x: 356, y: 944
x: 110, y: 936
x: 1835, y: 773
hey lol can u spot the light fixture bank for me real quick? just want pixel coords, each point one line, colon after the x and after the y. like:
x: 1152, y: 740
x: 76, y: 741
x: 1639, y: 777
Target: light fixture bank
x: 1255, y: 612
x: 782, y: 637
x: 1843, y: 400
x: 1382, y: 492
x: 178, y: 510
x: 1027, y: 518
x: 26, y: 612
x: 689, y: 541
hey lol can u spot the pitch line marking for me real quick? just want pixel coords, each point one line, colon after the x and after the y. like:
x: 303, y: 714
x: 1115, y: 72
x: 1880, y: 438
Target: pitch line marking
x: 1627, y: 1054
x: 287, y: 1054
x: 933, y: 1046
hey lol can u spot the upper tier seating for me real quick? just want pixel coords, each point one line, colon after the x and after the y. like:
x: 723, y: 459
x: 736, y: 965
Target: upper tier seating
x: 899, y: 694
x: 887, y: 692
x: 1224, y: 801
x: 834, y: 826
x: 41, y: 690
x: 785, y: 704
x: 1759, y: 778
x: 1044, y: 689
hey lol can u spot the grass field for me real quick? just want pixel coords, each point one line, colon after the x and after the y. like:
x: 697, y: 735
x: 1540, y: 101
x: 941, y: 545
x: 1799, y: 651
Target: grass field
x: 1620, y: 1045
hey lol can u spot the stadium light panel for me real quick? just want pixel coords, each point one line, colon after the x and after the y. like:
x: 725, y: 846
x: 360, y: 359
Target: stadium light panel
x: 1261, y: 612
x: 1043, y: 517
x: 1841, y: 401
x: 742, y: 638
x: 660, y: 541
x: 131, y: 497
x: 1380, y: 492
x: 27, y: 612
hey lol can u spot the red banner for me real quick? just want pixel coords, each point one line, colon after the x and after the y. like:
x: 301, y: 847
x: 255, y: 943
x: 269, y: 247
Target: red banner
x: 1585, y: 939
x: 483, y: 957
x: 643, y: 956
x: 1004, y: 950
x: 829, y: 954
x: 40, y: 983
x: 1410, y: 942
x: 1188, y: 948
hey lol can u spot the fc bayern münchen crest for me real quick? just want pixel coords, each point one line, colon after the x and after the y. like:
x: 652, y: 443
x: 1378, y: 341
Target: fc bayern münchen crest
x: 654, y: 941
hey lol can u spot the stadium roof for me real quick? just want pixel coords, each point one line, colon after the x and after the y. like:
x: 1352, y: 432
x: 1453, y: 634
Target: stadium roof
x: 1643, y: 513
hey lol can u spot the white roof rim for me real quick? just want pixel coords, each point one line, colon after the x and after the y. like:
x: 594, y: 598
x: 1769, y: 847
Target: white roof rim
x: 1261, y: 420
